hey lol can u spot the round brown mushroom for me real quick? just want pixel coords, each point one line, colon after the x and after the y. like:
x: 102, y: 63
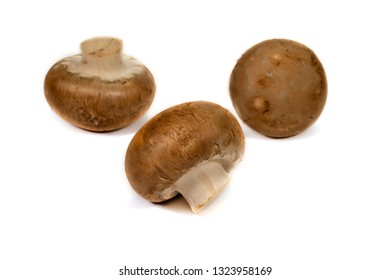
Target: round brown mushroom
x: 186, y: 149
x: 100, y: 89
x: 278, y: 87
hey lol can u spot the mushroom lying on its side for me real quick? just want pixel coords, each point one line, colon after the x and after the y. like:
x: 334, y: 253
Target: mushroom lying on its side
x: 186, y: 149
x: 278, y: 87
x: 101, y: 89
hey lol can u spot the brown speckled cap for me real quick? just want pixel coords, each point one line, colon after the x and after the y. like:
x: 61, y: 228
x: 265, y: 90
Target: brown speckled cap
x: 278, y: 87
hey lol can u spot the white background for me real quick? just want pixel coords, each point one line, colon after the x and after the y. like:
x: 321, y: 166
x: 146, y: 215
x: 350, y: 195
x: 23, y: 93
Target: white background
x: 315, y: 206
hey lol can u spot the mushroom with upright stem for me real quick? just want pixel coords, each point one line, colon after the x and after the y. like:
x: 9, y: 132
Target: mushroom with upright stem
x: 100, y: 89
x: 187, y: 149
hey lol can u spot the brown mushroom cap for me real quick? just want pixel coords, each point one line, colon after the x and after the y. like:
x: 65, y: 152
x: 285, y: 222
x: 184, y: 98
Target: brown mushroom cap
x: 177, y: 141
x: 101, y: 89
x: 278, y: 87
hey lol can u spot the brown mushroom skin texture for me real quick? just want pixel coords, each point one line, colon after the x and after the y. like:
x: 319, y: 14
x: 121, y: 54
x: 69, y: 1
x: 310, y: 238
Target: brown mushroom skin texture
x: 177, y: 140
x: 278, y: 88
x: 96, y: 104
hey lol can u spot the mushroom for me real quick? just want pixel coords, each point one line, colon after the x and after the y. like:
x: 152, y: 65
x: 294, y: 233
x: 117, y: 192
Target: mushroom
x: 100, y: 89
x: 278, y: 87
x: 187, y: 149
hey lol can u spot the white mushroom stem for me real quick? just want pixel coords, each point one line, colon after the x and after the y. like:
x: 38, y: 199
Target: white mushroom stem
x: 102, y: 52
x: 202, y: 184
x: 102, y: 57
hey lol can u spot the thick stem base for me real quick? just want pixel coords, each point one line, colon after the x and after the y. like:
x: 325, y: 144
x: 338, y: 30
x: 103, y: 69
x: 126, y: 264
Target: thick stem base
x: 202, y: 184
x: 102, y: 57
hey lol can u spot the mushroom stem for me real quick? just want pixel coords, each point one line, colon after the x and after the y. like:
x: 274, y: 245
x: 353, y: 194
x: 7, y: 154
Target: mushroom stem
x: 202, y: 184
x: 103, y: 53
x: 102, y: 57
